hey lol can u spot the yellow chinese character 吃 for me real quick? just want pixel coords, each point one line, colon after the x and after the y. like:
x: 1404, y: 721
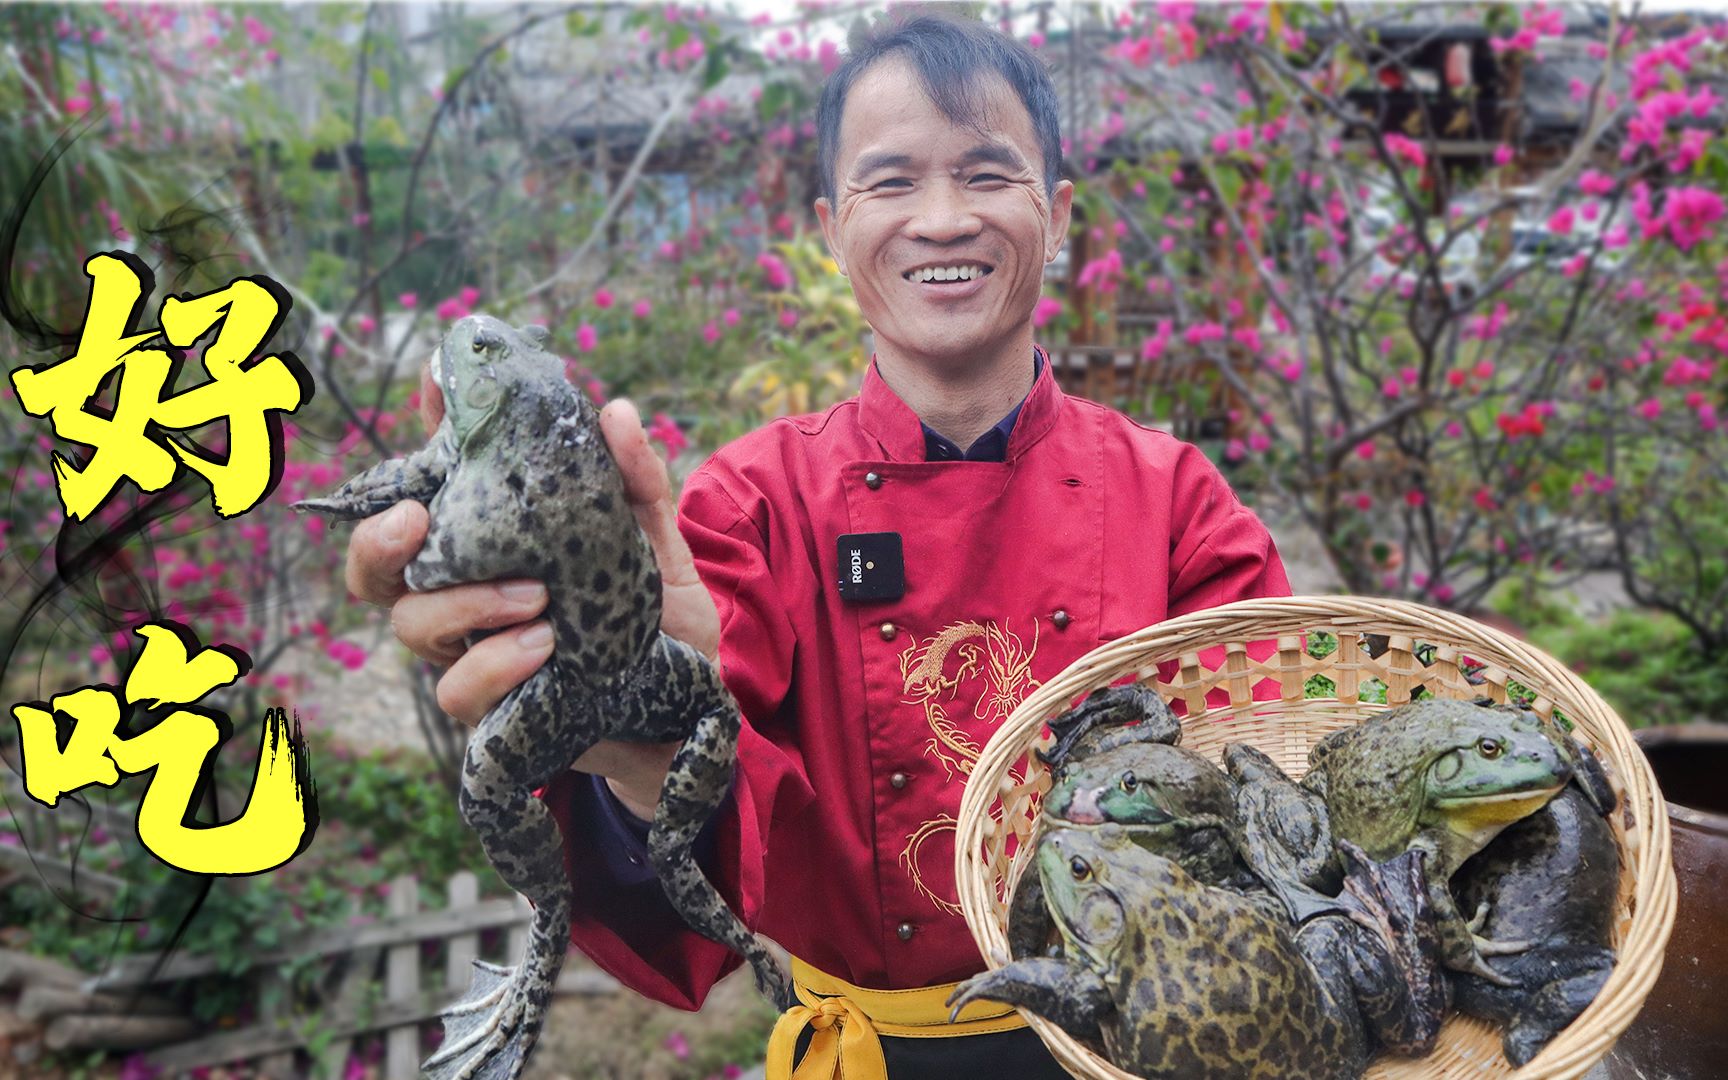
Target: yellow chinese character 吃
x: 126, y: 442
x: 281, y: 814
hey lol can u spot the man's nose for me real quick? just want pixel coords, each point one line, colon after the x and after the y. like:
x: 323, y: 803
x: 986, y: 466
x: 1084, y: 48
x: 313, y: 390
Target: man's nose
x: 944, y: 213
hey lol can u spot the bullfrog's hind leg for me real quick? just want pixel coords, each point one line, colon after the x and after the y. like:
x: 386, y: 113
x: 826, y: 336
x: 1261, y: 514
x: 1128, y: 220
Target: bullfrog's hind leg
x: 1074, y: 999
x: 1550, y: 1010
x: 701, y: 772
x: 1394, y: 958
x: 695, y: 784
x: 417, y: 476
x: 489, y: 1034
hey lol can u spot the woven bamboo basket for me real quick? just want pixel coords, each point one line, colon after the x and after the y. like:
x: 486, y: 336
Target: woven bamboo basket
x: 1424, y: 647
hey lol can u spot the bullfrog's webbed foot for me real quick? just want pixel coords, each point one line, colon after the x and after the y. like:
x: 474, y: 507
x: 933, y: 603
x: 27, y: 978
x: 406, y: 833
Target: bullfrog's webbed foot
x: 488, y: 1034
x: 1137, y: 711
x: 1074, y: 999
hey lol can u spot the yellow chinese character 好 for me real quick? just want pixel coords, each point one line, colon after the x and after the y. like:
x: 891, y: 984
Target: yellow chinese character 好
x: 282, y: 812
x: 126, y: 442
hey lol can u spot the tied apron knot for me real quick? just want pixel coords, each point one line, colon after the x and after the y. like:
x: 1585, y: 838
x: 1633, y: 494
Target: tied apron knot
x: 848, y: 1021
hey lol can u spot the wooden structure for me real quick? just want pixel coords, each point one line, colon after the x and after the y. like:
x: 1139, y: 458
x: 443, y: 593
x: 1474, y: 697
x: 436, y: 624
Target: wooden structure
x: 388, y: 978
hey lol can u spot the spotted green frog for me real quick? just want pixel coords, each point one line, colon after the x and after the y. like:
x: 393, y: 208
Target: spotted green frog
x: 1115, y: 758
x: 1174, y: 977
x: 1445, y: 777
x: 519, y: 483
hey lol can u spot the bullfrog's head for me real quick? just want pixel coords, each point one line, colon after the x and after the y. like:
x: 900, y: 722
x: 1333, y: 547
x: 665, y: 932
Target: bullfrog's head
x: 1091, y: 909
x: 479, y: 365
x: 1149, y: 784
x: 1502, y: 765
x: 1462, y: 772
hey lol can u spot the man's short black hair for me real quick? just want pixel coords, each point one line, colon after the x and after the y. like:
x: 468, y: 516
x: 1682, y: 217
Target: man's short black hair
x: 949, y: 57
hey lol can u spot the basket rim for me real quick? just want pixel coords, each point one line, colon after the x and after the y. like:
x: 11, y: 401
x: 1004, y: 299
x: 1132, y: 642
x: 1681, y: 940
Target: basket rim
x: 1642, y: 814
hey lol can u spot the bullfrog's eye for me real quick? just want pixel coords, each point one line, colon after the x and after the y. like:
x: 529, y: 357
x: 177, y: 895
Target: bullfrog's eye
x: 1129, y: 782
x: 1489, y: 748
x: 1079, y: 868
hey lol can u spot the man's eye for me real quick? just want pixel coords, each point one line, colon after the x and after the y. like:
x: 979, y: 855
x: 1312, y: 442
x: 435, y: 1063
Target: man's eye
x: 989, y: 178
x: 895, y: 182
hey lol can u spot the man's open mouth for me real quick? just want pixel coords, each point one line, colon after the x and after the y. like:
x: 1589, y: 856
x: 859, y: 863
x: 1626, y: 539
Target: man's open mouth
x: 964, y: 271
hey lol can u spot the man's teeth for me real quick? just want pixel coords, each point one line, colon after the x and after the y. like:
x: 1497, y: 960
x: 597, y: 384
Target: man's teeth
x: 946, y: 273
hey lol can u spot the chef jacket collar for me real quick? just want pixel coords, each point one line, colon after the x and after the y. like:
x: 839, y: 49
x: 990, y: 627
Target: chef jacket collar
x: 899, y: 431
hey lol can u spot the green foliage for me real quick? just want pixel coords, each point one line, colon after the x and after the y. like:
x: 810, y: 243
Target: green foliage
x: 1645, y: 664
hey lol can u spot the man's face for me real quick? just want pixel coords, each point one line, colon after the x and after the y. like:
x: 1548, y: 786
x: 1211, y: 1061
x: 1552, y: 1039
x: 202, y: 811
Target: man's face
x: 917, y: 194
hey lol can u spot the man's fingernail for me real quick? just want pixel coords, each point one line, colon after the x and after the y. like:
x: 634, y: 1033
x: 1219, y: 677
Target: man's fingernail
x: 523, y: 592
x: 396, y: 524
x: 536, y: 636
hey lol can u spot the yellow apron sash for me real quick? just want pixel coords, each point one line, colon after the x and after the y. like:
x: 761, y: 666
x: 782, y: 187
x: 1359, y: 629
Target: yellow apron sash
x: 849, y: 1018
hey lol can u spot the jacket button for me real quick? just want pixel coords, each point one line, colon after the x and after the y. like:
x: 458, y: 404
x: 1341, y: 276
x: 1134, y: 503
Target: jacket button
x: 897, y: 781
x: 872, y: 480
x: 905, y: 930
x: 889, y: 630
x: 1060, y: 618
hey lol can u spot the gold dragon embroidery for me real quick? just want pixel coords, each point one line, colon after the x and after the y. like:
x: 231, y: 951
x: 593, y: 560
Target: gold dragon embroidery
x: 934, y: 675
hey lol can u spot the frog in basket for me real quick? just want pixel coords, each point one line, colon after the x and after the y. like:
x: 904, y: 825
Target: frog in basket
x: 1550, y: 879
x: 1174, y: 803
x: 1438, y: 775
x: 1177, y: 978
x: 519, y: 483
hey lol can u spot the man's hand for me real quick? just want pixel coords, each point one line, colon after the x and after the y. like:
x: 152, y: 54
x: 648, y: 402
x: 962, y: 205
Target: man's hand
x: 435, y: 625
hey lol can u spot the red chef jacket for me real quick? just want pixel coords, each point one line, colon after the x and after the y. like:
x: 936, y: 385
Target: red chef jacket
x: 862, y: 719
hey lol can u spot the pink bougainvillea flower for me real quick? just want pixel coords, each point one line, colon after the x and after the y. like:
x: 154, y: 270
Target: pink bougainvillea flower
x: 774, y: 270
x: 710, y: 332
x: 469, y: 296
x: 665, y: 430
x: 451, y: 309
x: 1414, y: 498
x: 1591, y: 182
x: 587, y: 338
x: 408, y: 299
x: 1649, y: 408
x: 1405, y: 149
x: 1048, y: 308
x: 1365, y: 451
x: 642, y: 309
x: 1234, y: 450
x: 678, y: 1045
x: 1560, y: 221
x: 602, y: 298
x: 730, y: 316
x: 1502, y: 154
x: 788, y: 318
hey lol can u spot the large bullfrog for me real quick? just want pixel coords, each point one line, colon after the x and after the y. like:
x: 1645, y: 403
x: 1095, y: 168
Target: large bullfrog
x: 1174, y: 977
x: 1445, y: 777
x: 1115, y: 759
x: 519, y: 483
x: 1551, y: 880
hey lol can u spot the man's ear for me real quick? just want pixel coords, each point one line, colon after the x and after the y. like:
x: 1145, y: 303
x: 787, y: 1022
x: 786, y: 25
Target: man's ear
x: 831, y: 233
x: 1061, y: 209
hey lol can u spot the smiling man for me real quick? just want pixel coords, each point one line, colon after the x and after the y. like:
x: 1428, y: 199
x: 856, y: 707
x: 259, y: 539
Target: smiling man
x: 882, y: 582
